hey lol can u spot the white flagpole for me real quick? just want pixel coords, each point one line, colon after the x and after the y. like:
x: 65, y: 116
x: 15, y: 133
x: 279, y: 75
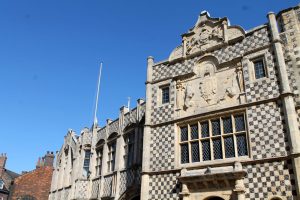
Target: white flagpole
x: 128, y: 104
x: 97, y: 97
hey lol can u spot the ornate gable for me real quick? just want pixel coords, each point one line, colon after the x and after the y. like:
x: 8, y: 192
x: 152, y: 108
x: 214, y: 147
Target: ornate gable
x: 208, y: 34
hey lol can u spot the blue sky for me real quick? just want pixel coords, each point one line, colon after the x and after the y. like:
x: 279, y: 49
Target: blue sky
x: 50, y: 53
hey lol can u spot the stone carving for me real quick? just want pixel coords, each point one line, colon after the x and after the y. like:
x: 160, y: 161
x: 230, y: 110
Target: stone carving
x: 179, y: 96
x: 188, y: 97
x: 205, y: 36
x: 209, y: 88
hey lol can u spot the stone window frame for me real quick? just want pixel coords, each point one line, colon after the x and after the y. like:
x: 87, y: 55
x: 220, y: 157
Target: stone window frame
x: 129, y: 133
x: 256, y: 60
x: 162, y: 89
x: 111, y: 153
x: 99, y: 158
x: 161, y: 86
x: 250, y: 59
x: 86, y: 167
x: 212, y: 161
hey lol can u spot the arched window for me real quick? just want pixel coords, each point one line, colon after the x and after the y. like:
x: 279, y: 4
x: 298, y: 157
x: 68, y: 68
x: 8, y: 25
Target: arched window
x: 214, y: 198
x: 275, y: 198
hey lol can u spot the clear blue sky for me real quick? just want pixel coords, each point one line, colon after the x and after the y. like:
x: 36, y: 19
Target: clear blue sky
x: 50, y: 53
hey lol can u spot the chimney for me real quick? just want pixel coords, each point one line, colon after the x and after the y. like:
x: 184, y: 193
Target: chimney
x: 39, y: 163
x: 3, y: 159
x: 49, y: 159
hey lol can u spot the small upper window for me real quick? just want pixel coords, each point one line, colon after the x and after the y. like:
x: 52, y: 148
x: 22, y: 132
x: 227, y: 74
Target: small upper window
x: 165, y: 91
x: 259, y: 69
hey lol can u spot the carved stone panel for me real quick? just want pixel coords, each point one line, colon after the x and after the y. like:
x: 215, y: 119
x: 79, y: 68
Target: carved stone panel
x: 205, y: 36
x: 209, y: 89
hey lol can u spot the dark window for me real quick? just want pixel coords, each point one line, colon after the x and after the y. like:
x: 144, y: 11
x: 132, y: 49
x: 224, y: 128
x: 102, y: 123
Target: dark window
x: 217, y: 144
x: 185, y: 153
x: 259, y: 69
x: 206, y: 150
x: 129, y: 149
x: 184, y: 133
x: 86, y: 163
x: 194, y: 132
x: 195, y: 152
x: 111, y: 156
x: 99, y: 157
x: 165, y: 95
x: 204, y: 129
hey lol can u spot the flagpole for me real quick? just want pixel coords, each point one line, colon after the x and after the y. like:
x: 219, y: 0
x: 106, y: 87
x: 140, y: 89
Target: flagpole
x: 97, y: 97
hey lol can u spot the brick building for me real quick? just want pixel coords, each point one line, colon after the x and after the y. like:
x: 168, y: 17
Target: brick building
x: 34, y: 185
x: 6, y: 178
x: 220, y: 121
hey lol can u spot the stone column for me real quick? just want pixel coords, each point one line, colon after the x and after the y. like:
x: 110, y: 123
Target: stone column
x: 240, y: 189
x: 287, y: 99
x: 147, y: 133
x: 185, y: 193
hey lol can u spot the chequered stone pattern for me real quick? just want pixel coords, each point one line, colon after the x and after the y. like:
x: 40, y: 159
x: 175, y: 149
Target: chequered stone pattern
x: 95, y: 188
x: 266, y: 180
x: 163, y: 71
x: 287, y: 23
x: 107, y: 188
x: 292, y: 81
x: 81, y: 189
x: 162, y: 151
x: 267, y: 135
x: 101, y: 133
x: 142, y: 111
x: 128, y: 178
x: 162, y: 113
x: 264, y: 88
x: 114, y: 127
x: 164, y: 186
x: 130, y: 117
x: 256, y: 40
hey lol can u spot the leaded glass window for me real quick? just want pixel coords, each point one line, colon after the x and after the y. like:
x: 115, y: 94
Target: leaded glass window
x: 111, y: 156
x: 86, y: 163
x: 214, y: 139
x: 165, y: 94
x: 129, y: 149
x: 99, y: 157
x: 259, y: 69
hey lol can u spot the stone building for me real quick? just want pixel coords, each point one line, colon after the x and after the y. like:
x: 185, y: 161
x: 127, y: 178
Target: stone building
x: 220, y: 121
x: 34, y: 185
x: 6, y: 178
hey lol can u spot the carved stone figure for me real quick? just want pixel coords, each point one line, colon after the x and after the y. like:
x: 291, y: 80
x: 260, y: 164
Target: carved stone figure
x: 179, y: 95
x: 208, y: 87
x: 188, y: 97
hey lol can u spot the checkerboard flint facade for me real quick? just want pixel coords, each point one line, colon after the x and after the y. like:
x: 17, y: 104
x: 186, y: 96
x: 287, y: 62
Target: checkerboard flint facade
x: 250, y: 148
